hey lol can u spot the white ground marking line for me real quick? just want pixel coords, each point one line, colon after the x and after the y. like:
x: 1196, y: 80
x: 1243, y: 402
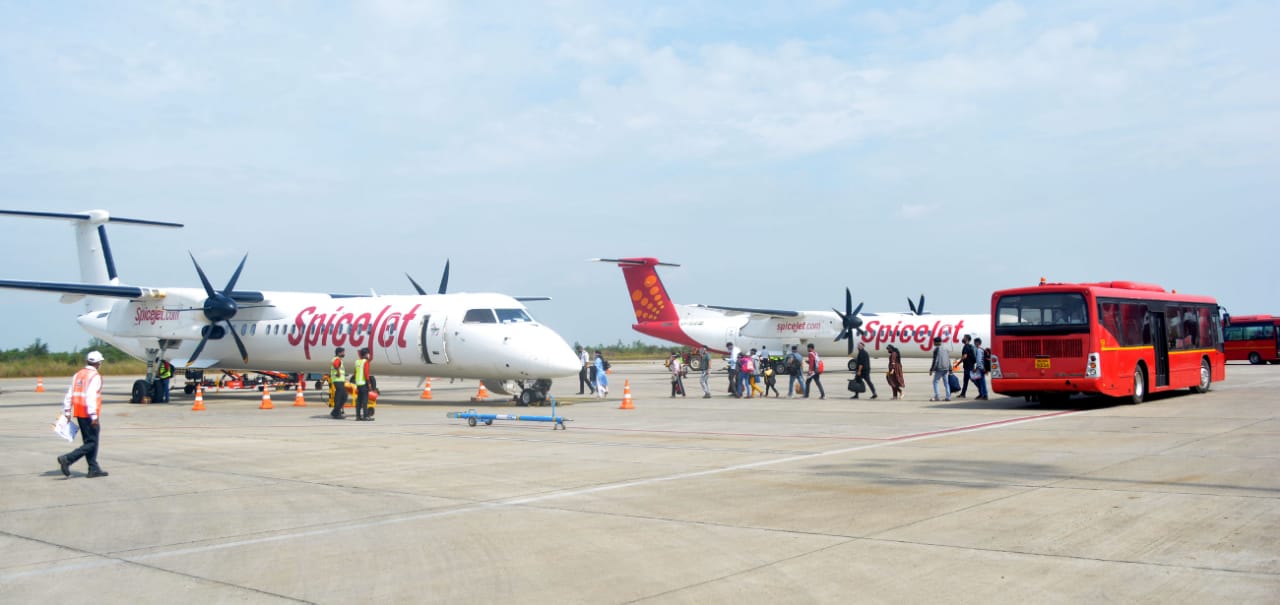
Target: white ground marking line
x: 519, y: 501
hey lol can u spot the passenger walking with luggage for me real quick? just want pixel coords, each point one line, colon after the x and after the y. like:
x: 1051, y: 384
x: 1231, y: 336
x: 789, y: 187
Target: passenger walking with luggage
x: 895, y: 375
x: 940, y: 369
x: 795, y: 368
x: 815, y: 374
x: 862, y: 370
x: 705, y: 379
x: 602, y: 377
x: 979, y: 371
x: 967, y: 357
x: 677, y: 380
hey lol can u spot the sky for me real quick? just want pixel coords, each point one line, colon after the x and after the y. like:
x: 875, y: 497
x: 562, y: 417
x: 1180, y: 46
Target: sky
x: 779, y: 151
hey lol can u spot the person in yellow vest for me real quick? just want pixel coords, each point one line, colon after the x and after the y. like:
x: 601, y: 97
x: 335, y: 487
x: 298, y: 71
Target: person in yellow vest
x: 84, y: 401
x: 338, y: 382
x: 163, y: 374
x: 361, y: 379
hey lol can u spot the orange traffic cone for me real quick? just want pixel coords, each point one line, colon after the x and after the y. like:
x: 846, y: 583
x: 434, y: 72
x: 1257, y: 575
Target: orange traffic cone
x: 199, y: 406
x: 627, y: 404
x: 483, y: 393
x: 266, y: 400
x: 298, y: 400
x: 426, y: 390
x: 39, y: 384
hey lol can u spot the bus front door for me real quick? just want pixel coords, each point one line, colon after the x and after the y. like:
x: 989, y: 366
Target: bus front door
x: 1160, y: 342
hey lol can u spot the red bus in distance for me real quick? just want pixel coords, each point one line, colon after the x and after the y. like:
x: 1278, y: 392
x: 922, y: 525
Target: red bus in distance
x: 1253, y: 337
x: 1118, y: 338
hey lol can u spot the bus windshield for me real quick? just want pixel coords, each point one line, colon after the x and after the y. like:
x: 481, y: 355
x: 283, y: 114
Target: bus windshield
x: 1059, y: 312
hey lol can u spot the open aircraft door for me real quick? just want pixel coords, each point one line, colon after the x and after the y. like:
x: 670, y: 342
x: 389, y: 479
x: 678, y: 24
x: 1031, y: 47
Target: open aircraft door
x: 433, y: 339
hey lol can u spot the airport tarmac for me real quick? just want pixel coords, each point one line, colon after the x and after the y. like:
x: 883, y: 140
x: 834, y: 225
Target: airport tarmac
x: 685, y: 500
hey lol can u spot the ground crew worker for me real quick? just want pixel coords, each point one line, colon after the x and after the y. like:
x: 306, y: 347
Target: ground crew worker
x: 163, y: 375
x: 338, y: 382
x: 362, y: 386
x: 84, y: 401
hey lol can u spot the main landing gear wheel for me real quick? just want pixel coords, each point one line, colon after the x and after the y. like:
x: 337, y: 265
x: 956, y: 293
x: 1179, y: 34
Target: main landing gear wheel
x: 853, y: 364
x: 695, y: 363
x: 139, y: 391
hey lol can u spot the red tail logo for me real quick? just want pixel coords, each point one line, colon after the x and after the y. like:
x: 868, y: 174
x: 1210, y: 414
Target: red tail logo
x: 648, y: 296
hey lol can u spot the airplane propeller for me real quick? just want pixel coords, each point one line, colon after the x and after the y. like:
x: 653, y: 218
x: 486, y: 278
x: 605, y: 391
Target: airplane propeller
x: 916, y: 310
x: 444, y: 281
x: 849, y: 320
x: 219, y: 308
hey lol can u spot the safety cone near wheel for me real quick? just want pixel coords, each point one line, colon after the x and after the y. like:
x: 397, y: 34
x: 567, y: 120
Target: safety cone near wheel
x: 483, y: 393
x: 199, y: 406
x: 39, y: 384
x: 426, y: 390
x: 266, y: 400
x: 298, y: 400
x: 627, y: 404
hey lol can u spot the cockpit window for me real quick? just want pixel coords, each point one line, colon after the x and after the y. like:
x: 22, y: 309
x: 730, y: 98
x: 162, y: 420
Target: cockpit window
x: 479, y: 316
x: 508, y: 316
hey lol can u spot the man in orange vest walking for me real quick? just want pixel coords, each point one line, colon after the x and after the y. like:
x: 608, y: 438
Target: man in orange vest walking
x: 84, y: 401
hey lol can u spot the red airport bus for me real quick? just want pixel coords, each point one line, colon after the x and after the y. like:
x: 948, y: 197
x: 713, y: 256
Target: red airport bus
x: 1253, y: 337
x: 1119, y: 339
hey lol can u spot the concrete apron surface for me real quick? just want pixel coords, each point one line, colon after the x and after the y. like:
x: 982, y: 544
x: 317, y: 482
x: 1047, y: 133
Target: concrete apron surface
x: 686, y: 500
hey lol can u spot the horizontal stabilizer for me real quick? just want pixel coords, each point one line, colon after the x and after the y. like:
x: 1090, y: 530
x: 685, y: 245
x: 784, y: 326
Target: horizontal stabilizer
x: 635, y: 262
x: 130, y: 292
x: 88, y: 216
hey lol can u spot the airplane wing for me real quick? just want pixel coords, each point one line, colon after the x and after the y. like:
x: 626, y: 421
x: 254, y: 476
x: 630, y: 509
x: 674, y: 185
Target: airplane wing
x: 766, y: 312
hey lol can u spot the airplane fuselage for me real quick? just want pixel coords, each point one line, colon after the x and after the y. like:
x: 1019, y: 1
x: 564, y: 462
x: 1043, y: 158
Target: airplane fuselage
x: 912, y: 334
x: 483, y: 335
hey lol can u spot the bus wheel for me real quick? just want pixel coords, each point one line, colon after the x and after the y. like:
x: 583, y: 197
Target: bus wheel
x: 1205, y: 378
x: 1139, y: 384
x: 1255, y: 358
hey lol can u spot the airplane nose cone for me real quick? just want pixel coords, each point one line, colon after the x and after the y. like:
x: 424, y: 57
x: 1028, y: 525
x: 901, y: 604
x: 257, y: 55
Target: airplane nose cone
x: 557, y: 358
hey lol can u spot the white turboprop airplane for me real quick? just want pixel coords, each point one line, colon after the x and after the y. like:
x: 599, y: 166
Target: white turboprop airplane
x: 486, y: 336
x: 713, y: 326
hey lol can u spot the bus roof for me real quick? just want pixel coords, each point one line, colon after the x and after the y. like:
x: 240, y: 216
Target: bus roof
x: 1235, y: 319
x: 1112, y: 289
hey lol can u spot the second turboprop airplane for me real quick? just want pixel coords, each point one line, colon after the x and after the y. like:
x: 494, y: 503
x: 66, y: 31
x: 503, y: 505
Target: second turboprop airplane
x: 484, y: 335
x: 712, y: 326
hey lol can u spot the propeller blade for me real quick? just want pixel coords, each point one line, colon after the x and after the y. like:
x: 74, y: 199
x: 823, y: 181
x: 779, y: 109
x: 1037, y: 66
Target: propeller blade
x: 244, y: 354
x: 231, y: 285
x: 912, y: 305
x: 415, y: 285
x: 857, y: 311
x: 848, y: 302
x: 199, y: 347
x: 920, y: 309
x: 444, y: 279
x: 851, y: 345
x: 208, y: 288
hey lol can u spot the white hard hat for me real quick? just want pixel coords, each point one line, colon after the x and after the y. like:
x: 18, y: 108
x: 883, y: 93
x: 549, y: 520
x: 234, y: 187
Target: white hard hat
x: 95, y: 357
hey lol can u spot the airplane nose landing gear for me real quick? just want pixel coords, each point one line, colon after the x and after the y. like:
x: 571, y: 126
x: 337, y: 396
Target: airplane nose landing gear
x: 535, y: 394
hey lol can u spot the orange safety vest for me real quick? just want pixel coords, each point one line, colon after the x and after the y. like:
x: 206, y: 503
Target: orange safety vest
x: 79, y: 388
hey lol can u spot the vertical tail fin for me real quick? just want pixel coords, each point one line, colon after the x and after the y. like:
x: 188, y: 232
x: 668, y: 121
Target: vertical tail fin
x: 97, y: 266
x: 648, y: 296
